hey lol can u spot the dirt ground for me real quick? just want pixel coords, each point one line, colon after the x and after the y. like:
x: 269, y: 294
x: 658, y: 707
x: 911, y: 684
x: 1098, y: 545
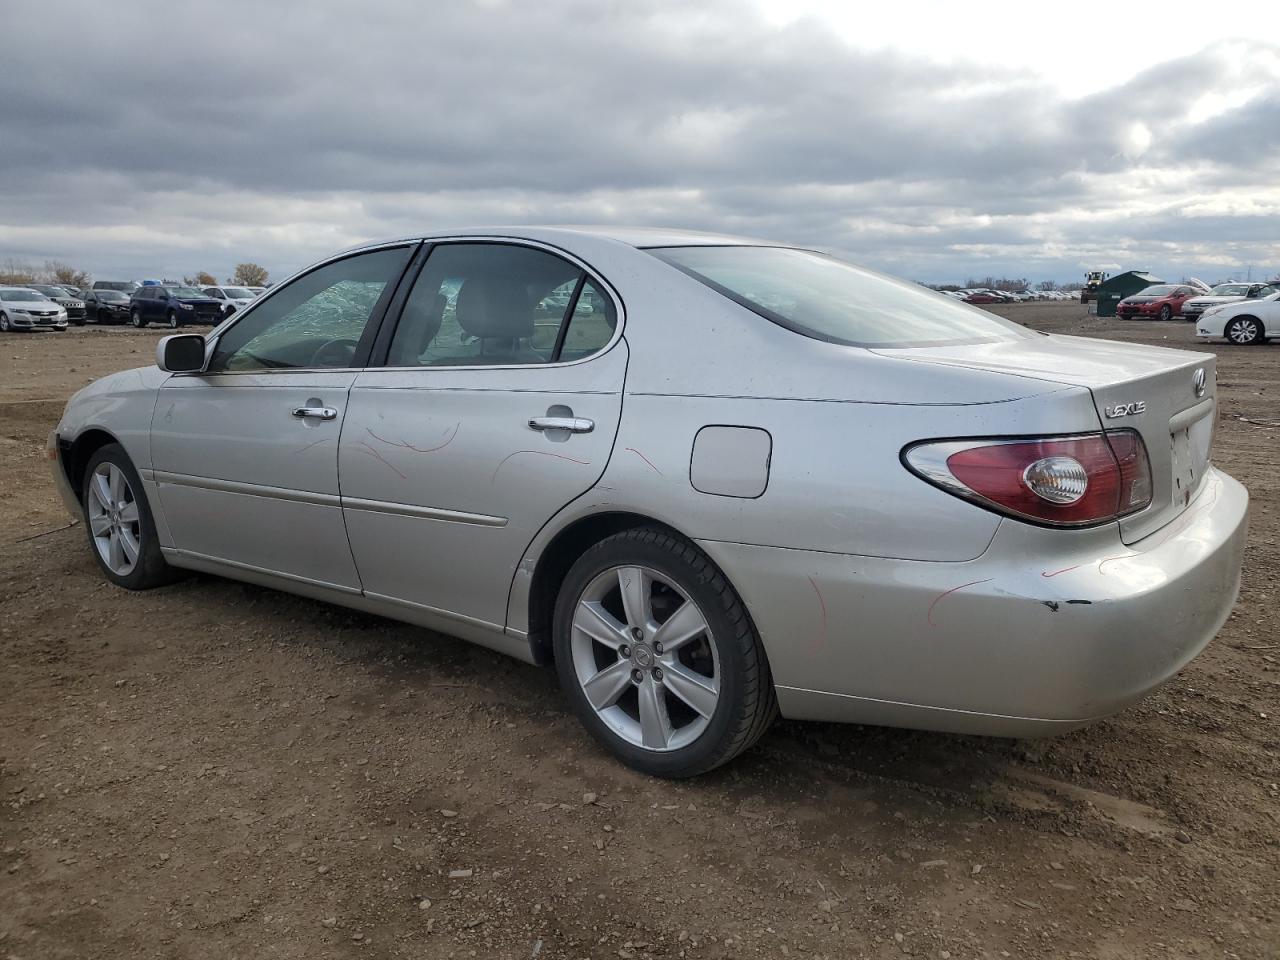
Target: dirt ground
x: 214, y: 770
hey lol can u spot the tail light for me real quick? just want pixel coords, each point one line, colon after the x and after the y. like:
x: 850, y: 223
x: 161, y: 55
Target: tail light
x: 1061, y: 481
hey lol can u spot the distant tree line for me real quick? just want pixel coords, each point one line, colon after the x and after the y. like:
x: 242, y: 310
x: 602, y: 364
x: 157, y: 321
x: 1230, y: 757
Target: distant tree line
x: 55, y: 271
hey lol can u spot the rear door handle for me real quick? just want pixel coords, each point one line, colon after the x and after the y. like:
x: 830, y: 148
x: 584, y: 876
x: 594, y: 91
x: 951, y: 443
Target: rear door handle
x: 572, y: 424
x: 318, y: 413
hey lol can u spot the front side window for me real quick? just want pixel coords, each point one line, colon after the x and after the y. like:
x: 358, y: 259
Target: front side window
x: 315, y: 321
x: 493, y: 304
x: 827, y: 299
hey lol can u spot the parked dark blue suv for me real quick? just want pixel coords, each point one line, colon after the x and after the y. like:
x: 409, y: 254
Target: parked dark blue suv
x: 172, y: 305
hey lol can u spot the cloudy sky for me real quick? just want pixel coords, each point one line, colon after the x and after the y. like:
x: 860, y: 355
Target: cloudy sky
x: 934, y: 140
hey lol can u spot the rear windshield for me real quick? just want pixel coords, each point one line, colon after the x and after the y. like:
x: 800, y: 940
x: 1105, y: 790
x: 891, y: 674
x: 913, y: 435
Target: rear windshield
x: 827, y: 299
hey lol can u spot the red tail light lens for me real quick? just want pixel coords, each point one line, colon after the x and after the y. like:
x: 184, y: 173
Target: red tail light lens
x: 1063, y: 481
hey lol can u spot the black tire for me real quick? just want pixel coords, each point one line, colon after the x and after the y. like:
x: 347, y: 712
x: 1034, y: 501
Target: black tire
x: 747, y: 703
x: 1166, y: 312
x: 81, y: 321
x: 4, y: 323
x: 135, y: 317
x: 1241, y: 337
x: 171, y: 318
x: 150, y: 569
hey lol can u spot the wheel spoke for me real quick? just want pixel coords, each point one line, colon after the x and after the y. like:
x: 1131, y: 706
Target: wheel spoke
x: 101, y: 491
x: 130, y: 546
x: 699, y: 692
x: 100, y: 524
x: 116, y: 476
x: 130, y: 512
x: 681, y: 627
x: 597, y: 623
x: 655, y: 724
x: 604, y: 689
x: 635, y: 586
x: 115, y: 552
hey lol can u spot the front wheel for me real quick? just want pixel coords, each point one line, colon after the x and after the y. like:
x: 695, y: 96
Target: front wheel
x: 1165, y: 312
x: 135, y: 317
x: 657, y: 655
x: 4, y: 323
x: 1244, y: 331
x: 172, y: 319
x: 122, y: 532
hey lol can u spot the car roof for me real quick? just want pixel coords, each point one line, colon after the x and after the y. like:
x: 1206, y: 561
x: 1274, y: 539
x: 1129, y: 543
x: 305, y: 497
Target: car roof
x: 639, y: 237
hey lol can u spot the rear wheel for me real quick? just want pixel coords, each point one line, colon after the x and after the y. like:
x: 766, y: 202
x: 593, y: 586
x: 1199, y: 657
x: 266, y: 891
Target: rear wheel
x: 658, y: 657
x: 1245, y: 331
x: 122, y: 532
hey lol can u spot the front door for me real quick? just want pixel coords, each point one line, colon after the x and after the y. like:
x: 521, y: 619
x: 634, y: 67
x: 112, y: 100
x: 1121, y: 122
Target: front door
x: 498, y: 404
x: 246, y: 454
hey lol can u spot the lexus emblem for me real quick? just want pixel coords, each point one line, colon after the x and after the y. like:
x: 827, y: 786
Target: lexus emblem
x: 1198, y: 380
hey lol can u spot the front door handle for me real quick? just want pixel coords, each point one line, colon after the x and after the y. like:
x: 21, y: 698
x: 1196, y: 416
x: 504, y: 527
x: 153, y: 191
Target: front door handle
x: 572, y: 424
x: 318, y: 413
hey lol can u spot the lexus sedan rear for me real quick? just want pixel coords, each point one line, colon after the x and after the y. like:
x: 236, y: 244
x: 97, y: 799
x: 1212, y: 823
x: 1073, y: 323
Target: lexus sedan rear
x: 710, y: 479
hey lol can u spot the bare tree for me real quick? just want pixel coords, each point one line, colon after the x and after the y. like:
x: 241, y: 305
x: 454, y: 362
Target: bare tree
x: 204, y: 279
x: 15, y: 271
x: 55, y: 271
x: 249, y: 275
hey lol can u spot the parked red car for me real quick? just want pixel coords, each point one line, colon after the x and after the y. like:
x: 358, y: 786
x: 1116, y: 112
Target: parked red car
x: 1163, y: 301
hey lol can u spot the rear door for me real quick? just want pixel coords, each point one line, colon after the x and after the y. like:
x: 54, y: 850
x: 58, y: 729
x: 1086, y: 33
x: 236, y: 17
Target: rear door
x: 498, y: 404
x: 246, y: 454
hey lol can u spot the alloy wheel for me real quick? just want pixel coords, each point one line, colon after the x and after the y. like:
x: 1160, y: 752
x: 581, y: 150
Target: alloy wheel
x: 136, y: 318
x: 173, y: 320
x: 4, y: 323
x: 1242, y: 331
x: 645, y: 658
x: 114, y: 520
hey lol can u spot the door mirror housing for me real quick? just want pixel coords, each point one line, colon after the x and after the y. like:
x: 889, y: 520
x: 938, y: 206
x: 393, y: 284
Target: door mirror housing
x: 181, y: 353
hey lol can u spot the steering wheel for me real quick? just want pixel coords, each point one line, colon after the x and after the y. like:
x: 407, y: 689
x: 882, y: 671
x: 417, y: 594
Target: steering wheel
x: 335, y: 353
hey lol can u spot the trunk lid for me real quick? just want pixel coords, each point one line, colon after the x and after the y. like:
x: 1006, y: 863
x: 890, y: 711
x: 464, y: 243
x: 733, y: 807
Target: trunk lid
x: 1167, y: 396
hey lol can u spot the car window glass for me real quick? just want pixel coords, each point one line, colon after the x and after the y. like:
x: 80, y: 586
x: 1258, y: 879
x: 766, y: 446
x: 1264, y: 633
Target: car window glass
x: 591, y: 326
x: 315, y: 321
x: 483, y: 304
x: 824, y: 298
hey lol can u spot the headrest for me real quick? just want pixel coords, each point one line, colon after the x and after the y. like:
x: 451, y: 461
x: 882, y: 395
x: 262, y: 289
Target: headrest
x: 489, y: 307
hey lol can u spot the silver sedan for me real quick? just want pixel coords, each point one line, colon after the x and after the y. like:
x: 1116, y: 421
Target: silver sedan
x: 710, y: 479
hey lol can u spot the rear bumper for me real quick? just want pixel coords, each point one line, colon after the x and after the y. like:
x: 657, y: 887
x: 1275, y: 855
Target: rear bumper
x: 1046, y: 631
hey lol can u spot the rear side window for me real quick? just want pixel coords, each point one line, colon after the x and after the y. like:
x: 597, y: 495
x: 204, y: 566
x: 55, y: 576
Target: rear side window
x: 827, y: 299
x: 494, y: 304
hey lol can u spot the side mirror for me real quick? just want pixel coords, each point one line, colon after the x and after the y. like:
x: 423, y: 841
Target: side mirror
x: 180, y: 353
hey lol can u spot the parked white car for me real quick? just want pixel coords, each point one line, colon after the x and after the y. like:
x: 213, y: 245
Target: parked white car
x: 22, y: 308
x: 231, y: 298
x: 1226, y: 293
x: 1243, y: 322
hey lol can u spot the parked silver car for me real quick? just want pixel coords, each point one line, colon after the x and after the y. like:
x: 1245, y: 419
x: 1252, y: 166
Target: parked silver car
x: 749, y: 479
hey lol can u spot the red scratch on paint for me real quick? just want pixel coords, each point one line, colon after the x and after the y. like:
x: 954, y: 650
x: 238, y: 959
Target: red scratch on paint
x: 409, y: 446
x: 645, y: 459
x: 1046, y: 574
x: 540, y: 453
x: 377, y: 456
x: 946, y: 593
x: 822, y: 604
